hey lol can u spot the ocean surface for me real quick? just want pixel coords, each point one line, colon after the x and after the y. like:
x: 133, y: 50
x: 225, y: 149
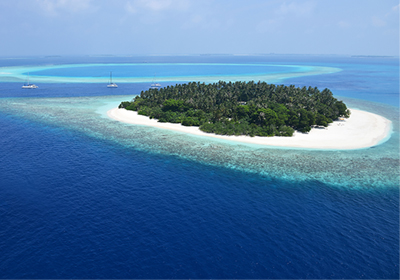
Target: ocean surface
x: 84, y: 196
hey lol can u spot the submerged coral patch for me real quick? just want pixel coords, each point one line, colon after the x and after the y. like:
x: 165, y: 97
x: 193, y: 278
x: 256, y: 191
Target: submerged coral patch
x: 366, y: 168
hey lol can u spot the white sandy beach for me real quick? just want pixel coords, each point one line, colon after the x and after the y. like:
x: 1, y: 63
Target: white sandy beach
x: 361, y: 130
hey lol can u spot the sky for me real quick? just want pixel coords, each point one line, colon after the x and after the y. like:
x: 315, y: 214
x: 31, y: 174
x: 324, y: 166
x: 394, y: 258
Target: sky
x: 184, y: 27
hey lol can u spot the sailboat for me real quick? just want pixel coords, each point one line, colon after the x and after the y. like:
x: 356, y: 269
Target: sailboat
x: 111, y: 84
x: 27, y: 85
x: 154, y: 84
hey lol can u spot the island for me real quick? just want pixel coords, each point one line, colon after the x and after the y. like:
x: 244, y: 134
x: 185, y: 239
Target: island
x: 241, y: 108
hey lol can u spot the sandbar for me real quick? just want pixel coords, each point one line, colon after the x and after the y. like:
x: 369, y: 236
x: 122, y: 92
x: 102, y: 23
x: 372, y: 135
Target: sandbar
x: 361, y: 130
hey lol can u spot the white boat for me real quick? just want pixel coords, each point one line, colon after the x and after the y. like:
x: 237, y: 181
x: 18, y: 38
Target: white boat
x: 111, y: 84
x: 30, y: 86
x: 155, y: 85
x: 27, y: 85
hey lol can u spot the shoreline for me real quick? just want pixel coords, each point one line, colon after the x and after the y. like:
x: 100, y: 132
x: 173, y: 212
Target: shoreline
x: 362, y: 130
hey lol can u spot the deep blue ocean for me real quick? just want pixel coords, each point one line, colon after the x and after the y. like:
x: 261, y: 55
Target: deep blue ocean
x: 83, y: 196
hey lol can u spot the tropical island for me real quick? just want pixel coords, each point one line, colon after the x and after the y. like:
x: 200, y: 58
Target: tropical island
x: 240, y: 108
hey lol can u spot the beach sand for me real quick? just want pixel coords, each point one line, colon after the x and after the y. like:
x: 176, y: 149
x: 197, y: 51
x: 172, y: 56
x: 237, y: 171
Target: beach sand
x: 361, y: 130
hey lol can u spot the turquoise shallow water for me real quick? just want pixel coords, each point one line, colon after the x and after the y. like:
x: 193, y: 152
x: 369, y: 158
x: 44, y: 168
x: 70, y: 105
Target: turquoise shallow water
x: 364, y: 168
x: 165, y: 72
x: 84, y: 196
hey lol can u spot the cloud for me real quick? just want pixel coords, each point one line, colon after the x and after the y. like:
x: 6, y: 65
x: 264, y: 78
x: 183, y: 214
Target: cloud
x: 343, y: 24
x: 284, y: 16
x: 384, y: 20
x: 55, y: 7
x: 137, y: 6
x: 378, y: 22
x: 295, y: 8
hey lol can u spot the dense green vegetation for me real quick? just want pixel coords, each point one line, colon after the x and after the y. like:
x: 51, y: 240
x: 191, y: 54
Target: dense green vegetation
x: 240, y: 108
